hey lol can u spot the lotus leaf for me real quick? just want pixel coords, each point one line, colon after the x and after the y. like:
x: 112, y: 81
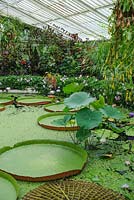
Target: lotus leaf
x: 110, y: 112
x: 83, y: 134
x: 78, y: 99
x: 88, y: 119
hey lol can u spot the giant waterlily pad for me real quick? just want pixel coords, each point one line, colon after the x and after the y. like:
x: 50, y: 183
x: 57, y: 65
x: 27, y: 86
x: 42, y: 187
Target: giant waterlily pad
x: 5, y: 101
x: 2, y: 107
x: 8, y: 187
x: 71, y: 190
x: 33, y: 101
x: 40, y: 160
x: 57, y: 107
x: 55, y: 121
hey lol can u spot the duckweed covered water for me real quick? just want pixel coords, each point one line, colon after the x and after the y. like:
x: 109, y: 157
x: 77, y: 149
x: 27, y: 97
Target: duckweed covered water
x: 20, y: 124
x: 17, y: 125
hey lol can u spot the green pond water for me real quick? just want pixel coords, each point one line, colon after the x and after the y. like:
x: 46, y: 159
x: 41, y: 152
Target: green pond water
x: 17, y: 125
x: 58, y: 107
x: 7, y: 190
x: 33, y: 100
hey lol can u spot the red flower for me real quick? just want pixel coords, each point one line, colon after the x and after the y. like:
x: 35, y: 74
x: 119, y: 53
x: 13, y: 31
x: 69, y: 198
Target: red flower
x: 23, y: 62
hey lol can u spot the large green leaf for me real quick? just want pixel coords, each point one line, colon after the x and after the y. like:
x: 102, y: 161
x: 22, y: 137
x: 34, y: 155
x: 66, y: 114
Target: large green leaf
x: 83, y: 134
x: 78, y: 99
x: 88, y: 119
x: 99, y: 103
x: 110, y: 112
x: 63, y: 121
x: 72, y: 87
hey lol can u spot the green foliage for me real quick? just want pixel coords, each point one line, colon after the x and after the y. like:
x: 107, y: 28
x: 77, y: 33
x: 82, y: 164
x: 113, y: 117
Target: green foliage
x: 93, y: 114
x: 72, y: 87
x: 78, y: 100
x: 110, y: 112
x: 29, y: 50
x: 64, y: 121
x: 83, y: 134
x: 22, y: 82
x: 88, y: 119
x: 100, y: 103
x: 118, y: 68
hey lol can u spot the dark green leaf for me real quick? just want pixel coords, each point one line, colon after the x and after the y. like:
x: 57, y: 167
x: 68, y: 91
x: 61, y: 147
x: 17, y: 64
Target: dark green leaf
x: 83, y: 134
x: 110, y: 112
x: 59, y: 122
x: 88, y: 119
x: 114, y: 128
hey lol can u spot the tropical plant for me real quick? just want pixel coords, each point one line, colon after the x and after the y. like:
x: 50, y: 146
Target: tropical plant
x: 118, y: 69
x: 92, y: 114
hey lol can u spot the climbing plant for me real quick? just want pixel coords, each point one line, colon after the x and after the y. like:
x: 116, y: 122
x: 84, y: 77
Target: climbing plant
x: 118, y: 68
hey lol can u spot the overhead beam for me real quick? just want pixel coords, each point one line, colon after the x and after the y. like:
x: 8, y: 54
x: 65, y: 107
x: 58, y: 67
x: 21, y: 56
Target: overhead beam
x: 93, y: 9
x: 73, y: 22
x: 40, y: 5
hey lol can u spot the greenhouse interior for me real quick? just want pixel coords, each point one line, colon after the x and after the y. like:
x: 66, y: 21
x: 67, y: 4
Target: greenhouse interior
x: 67, y: 100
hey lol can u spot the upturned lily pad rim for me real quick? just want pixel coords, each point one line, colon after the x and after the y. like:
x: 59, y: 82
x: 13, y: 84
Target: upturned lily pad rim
x: 80, y: 151
x: 11, y: 180
x: 59, y: 128
x: 46, y: 107
x: 8, y: 101
x: 2, y: 108
x: 47, y: 100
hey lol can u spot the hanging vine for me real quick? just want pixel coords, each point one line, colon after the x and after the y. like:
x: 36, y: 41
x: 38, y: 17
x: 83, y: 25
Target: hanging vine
x: 119, y: 66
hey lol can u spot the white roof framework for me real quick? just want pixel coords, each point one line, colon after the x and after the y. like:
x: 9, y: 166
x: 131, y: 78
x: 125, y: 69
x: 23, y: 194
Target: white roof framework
x: 88, y: 18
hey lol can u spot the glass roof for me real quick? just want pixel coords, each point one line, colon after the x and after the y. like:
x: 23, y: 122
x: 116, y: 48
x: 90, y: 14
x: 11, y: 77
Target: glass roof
x: 88, y: 18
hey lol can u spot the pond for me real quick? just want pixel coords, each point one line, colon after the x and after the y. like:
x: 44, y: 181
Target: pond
x: 20, y: 124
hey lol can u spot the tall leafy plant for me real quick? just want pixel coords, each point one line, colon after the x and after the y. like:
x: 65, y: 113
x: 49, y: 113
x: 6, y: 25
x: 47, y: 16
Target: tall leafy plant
x: 118, y: 70
x: 92, y: 114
